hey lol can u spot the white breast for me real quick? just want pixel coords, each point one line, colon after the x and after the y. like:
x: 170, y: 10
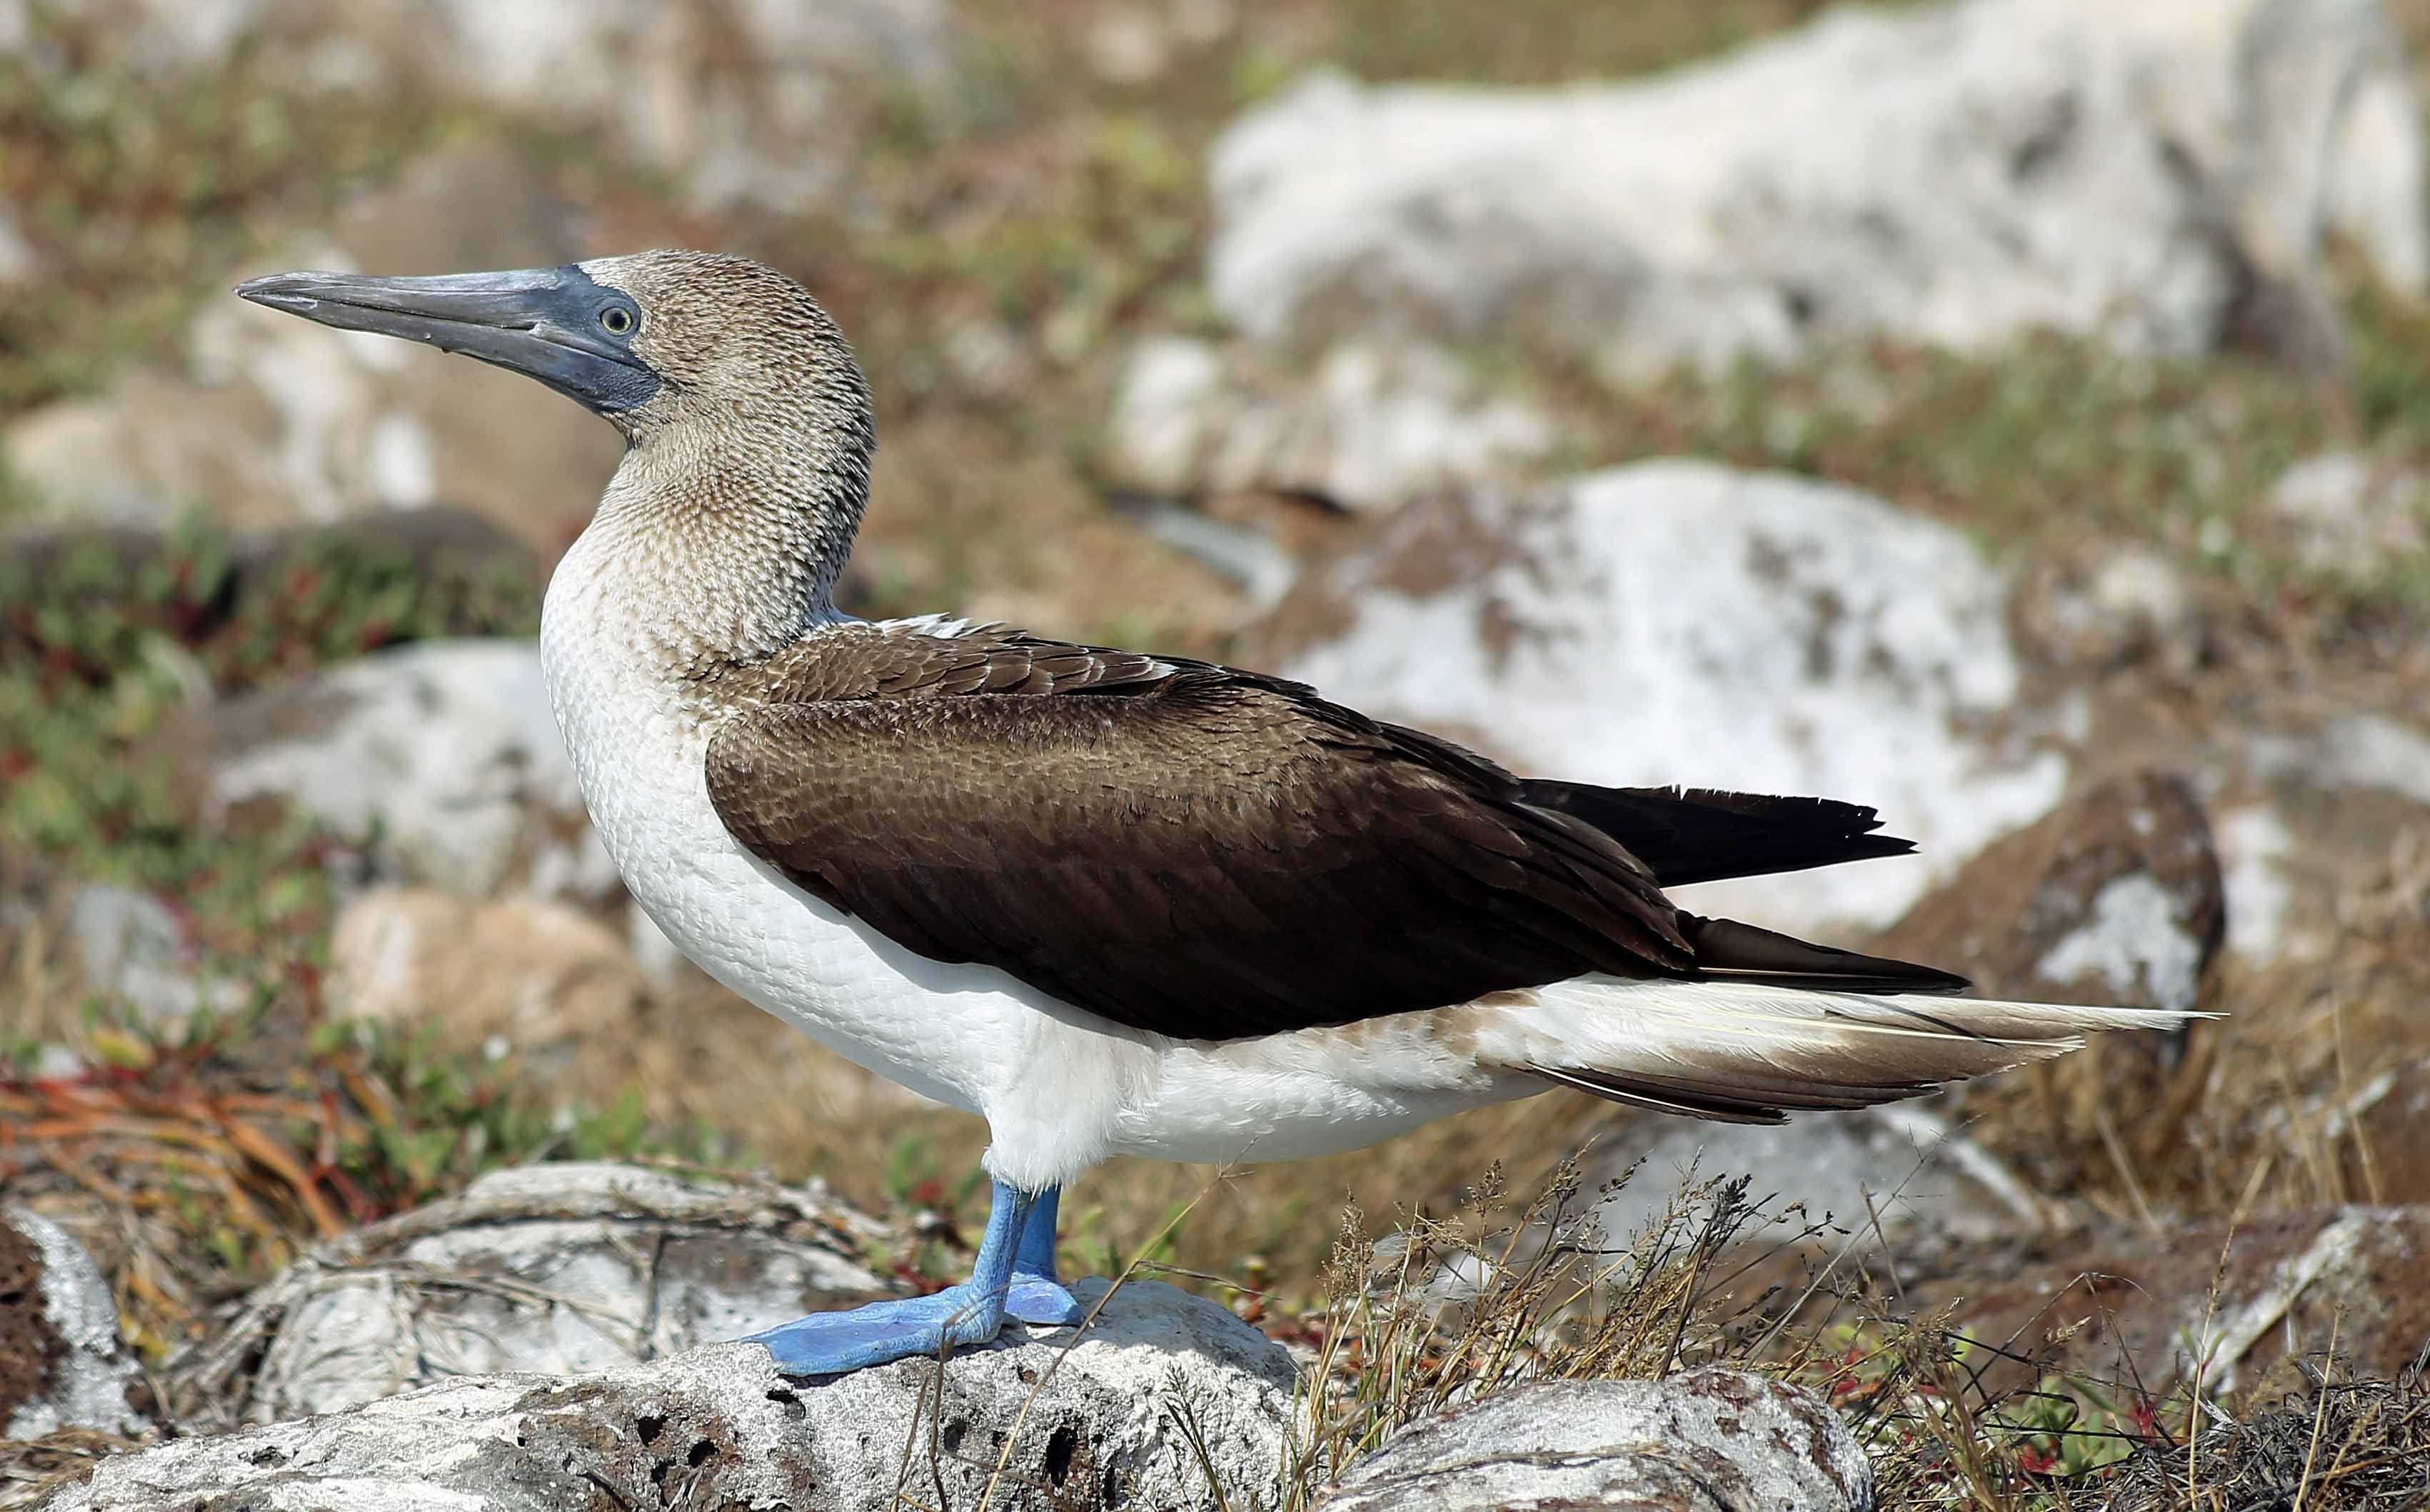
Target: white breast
x: 1061, y: 1089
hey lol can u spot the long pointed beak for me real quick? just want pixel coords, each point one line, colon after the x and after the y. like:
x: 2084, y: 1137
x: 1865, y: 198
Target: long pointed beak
x: 550, y: 323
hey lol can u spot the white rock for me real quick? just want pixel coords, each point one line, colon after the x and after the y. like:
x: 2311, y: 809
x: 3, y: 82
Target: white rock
x: 2351, y: 516
x: 1127, y: 44
x: 769, y: 109
x: 1374, y: 425
x: 2254, y: 845
x: 2132, y: 602
x: 132, y: 949
x: 2318, y: 809
x: 1704, y: 1440
x: 1899, y: 1165
x: 2134, y: 945
x: 1951, y: 174
x: 1678, y: 621
x: 87, y: 1378
x: 19, y: 262
x: 2375, y: 751
x: 446, y: 750
x: 71, y: 456
x: 987, y: 355
x: 761, y: 102
x: 555, y: 1268
x: 1121, y: 1418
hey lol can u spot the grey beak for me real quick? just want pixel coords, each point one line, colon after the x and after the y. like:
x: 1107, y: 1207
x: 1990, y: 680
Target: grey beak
x: 550, y: 323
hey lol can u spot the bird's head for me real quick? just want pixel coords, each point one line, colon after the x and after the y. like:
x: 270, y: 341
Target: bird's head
x: 747, y: 421
x: 659, y: 343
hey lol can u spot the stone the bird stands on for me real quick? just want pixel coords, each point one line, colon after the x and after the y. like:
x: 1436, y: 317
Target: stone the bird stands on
x: 1115, y: 904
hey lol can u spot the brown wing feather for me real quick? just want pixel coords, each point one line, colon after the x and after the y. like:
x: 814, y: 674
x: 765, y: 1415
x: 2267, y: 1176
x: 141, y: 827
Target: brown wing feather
x: 1195, y: 849
x: 1202, y: 854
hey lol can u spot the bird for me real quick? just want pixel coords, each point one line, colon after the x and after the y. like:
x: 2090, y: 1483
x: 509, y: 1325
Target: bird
x: 1111, y: 901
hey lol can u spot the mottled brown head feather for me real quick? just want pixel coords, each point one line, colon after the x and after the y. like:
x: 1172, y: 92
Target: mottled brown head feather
x: 749, y: 468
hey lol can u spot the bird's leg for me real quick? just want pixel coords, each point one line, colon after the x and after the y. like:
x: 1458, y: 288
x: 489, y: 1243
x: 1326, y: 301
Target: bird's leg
x: 970, y: 1313
x: 1036, y: 1296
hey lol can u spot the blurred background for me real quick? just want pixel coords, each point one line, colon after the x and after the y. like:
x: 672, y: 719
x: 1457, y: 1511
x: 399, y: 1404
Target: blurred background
x: 2014, y: 414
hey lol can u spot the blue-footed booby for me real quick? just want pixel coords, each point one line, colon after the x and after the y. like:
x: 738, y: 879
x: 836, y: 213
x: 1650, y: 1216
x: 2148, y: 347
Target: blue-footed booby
x: 1112, y: 903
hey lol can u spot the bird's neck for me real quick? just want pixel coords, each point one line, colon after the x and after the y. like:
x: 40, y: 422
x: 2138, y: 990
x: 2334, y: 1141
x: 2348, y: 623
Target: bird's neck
x: 714, y: 553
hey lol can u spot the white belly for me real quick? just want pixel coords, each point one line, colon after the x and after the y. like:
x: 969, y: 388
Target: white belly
x: 1061, y: 1089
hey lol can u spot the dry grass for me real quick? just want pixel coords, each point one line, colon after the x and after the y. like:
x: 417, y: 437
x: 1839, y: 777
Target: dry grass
x: 2336, y: 1443
x: 1442, y: 1311
x: 2306, y: 1093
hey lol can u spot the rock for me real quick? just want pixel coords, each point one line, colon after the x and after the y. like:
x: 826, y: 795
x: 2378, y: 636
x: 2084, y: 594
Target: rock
x: 1263, y: 567
x: 554, y: 1269
x: 60, y: 1366
x: 132, y: 950
x: 2254, y: 848
x: 1704, y: 1440
x: 1121, y: 1418
x: 120, y: 945
x: 2112, y: 607
x: 1127, y: 44
x: 538, y: 977
x: 442, y: 756
x: 1372, y: 425
x: 756, y: 104
x: 2163, y: 1300
x: 2350, y: 517
x: 1897, y: 1174
x: 2317, y: 809
x: 20, y: 263
x: 1674, y: 622
x: 2114, y: 897
x: 2158, y: 177
x: 987, y: 358
x: 271, y: 421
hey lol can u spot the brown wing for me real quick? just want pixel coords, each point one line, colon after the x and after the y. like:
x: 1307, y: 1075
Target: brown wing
x: 1205, y: 854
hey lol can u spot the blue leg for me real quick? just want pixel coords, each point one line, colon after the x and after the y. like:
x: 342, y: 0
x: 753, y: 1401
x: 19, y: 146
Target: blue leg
x: 832, y: 1343
x: 1036, y: 1297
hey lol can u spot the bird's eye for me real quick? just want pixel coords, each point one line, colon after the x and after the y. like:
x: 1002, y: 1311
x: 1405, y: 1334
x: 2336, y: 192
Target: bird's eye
x: 617, y: 319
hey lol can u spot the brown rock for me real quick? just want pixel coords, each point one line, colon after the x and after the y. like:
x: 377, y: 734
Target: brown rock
x: 2239, y: 1298
x: 538, y: 976
x: 2115, y: 897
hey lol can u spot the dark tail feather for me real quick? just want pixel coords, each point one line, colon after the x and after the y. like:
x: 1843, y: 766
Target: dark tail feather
x: 1696, y: 835
x: 1728, y: 951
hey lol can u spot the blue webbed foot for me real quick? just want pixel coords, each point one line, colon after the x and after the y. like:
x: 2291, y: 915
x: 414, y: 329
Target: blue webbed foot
x: 1041, y: 1300
x: 1012, y: 1276
x: 835, y: 1342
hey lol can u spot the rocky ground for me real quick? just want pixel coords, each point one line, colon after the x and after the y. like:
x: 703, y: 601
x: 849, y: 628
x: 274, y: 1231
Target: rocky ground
x: 2015, y: 415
